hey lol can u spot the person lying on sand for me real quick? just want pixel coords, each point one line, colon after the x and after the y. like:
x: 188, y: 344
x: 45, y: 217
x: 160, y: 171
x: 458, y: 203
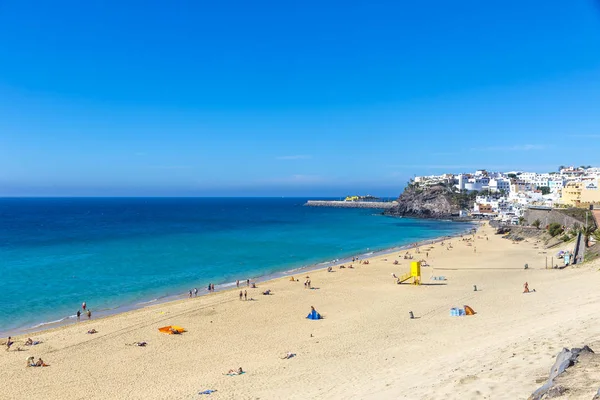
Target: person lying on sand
x: 396, y: 262
x: 267, y: 292
x: 140, y: 344
x: 288, y: 355
x: 175, y: 331
x: 239, y: 371
x: 92, y: 331
x: 30, y: 342
x: 350, y: 266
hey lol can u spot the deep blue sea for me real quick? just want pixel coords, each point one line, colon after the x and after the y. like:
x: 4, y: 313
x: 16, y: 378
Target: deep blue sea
x: 121, y: 252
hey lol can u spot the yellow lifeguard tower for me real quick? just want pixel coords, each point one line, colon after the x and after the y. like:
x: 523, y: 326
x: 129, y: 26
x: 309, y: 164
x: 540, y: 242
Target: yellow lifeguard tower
x: 415, y: 273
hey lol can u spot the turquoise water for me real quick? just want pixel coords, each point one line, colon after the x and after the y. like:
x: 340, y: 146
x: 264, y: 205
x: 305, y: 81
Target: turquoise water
x: 118, y: 252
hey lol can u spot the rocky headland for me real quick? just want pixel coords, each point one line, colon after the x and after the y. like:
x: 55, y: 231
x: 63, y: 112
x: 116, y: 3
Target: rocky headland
x: 437, y: 201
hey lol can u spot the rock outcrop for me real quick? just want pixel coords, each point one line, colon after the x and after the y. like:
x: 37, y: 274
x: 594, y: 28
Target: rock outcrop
x: 436, y: 201
x: 565, y: 359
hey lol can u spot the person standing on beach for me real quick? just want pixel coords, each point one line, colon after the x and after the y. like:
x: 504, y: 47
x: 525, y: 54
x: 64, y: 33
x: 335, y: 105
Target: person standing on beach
x: 78, y: 315
x: 190, y: 293
x: 245, y: 295
x: 9, y: 343
x: 241, y: 294
x: 237, y: 283
x: 247, y: 282
x: 83, y: 306
x: 212, y: 287
x: 89, y: 314
x: 209, y: 287
x: 195, y: 292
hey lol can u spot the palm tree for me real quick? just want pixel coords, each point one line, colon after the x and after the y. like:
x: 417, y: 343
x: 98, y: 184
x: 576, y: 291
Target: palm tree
x: 537, y: 223
x: 521, y: 220
x: 587, y: 232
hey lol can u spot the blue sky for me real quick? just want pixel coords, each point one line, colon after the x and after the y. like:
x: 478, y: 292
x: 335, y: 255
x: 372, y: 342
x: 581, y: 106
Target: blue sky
x: 275, y: 98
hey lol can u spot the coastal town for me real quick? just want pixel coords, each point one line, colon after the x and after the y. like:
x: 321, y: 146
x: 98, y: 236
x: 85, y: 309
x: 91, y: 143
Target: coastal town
x: 505, y: 196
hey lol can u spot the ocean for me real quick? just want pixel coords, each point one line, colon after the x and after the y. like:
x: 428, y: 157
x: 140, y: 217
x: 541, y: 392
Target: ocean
x: 119, y: 253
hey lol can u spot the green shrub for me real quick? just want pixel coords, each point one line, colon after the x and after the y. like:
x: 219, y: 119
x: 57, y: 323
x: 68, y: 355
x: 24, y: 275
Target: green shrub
x: 555, y: 229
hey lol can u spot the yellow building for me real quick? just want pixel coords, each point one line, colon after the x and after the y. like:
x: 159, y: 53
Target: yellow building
x: 590, y: 193
x: 571, y: 194
x: 581, y: 194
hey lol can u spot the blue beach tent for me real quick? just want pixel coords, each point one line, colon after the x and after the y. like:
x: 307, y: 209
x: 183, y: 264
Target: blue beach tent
x: 314, y: 315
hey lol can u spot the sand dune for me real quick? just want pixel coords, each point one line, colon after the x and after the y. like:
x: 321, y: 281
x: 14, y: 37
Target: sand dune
x: 367, y: 347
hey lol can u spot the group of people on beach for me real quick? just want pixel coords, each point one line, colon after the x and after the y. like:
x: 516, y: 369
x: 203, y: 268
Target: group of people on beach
x: 85, y: 310
x: 38, y: 363
x: 28, y: 342
x: 30, y: 360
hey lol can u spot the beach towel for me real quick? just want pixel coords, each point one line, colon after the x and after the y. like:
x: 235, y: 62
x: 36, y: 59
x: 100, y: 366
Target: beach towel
x: 314, y: 315
x: 208, y: 391
x: 169, y: 329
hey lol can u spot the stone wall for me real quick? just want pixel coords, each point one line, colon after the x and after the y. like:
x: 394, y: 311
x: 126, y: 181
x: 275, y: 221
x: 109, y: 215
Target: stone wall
x: 549, y: 216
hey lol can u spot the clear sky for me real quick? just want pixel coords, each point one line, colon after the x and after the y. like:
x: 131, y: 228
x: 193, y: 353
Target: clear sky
x: 274, y: 98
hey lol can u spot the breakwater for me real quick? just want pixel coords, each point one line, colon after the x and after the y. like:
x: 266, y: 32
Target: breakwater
x: 351, y: 204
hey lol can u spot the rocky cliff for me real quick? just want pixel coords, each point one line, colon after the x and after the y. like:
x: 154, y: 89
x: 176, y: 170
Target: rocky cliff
x: 436, y: 201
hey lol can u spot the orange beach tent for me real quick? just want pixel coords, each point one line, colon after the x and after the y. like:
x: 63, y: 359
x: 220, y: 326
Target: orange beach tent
x: 469, y: 311
x: 172, y: 329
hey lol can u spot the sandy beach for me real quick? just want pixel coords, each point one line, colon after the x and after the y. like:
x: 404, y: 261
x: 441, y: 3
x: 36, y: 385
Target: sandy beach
x: 366, y: 347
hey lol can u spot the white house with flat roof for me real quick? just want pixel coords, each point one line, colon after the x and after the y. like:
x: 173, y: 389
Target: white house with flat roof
x: 499, y: 184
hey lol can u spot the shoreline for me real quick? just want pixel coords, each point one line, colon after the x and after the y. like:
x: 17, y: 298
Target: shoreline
x: 368, y: 324
x: 46, y: 326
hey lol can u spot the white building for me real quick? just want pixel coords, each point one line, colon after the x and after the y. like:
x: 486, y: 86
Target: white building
x: 498, y: 184
x: 470, y: 183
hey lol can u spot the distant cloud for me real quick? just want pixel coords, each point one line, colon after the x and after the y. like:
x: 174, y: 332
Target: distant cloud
x: 296, y: 157
x: 522, y: 147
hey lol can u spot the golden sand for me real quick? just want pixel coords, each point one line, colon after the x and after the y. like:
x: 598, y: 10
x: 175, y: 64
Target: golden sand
x: 366, y: 347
